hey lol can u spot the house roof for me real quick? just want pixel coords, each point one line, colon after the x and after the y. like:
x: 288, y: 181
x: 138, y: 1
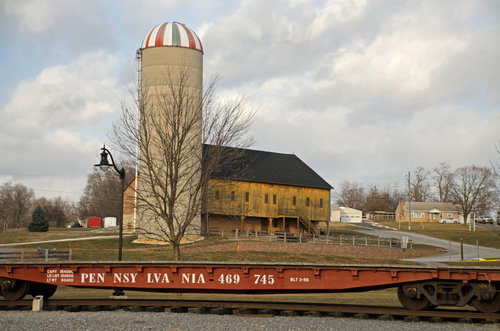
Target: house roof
x: 267, y: 167
x: 435, y: 207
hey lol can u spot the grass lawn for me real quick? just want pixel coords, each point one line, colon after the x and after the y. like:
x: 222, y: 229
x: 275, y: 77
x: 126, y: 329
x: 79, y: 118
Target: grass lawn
x: 23, y: 235
x: 454, y: 232
x: 106, y: 249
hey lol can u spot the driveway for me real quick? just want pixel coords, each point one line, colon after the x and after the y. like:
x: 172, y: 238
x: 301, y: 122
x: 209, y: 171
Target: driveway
x: 59, y: 240
x: 471, y: 252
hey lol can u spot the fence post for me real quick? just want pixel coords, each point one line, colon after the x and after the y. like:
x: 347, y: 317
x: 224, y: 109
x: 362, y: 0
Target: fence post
x: 22, y: 254
x: 270, y: 236
x: 46, y: 255
x: 327, y: 235
x: 70, y: 254
x: 236, y: 233
x: 256, y: 233
x: 354, y: 240
x: 378, y: 242
x: 300, y: 237
x: 314, y: 238
x: 390, y: 242
x: 366, y: 241
x: 340, y: 240
x: 284, y: 238
x: 222, y: 233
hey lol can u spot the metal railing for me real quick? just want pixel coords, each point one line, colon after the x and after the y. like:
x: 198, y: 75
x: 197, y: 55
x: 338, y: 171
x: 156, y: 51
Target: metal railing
x: 285, y: 237
x: 37, y: 254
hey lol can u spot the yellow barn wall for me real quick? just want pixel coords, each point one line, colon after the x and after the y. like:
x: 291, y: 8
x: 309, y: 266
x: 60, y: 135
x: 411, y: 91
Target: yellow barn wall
x: 222, y: 200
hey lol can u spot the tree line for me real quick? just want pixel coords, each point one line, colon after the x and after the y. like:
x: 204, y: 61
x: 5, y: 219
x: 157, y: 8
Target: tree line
x: 473, y: 188
x: 101, y: 198
x: 17, y: 203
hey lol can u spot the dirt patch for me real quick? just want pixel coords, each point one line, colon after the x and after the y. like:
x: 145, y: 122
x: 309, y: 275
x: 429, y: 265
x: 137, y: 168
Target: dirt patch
x: 318, y: 249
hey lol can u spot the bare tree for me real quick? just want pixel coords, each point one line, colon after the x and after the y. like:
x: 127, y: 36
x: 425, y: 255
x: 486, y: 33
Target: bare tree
x: 443, y: 181
x: 15, y: 204
x: 352, y: 194
x: 377, y: 200
x: 419, y: 185
x: 472, y: 186
x: 101, y: 196
x: 392, y: 197
x: 174, y: 173
x: 58, y: 211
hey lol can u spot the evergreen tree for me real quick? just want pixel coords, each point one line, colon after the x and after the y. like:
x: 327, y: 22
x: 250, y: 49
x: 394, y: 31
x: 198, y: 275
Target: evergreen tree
x: 39, y: 221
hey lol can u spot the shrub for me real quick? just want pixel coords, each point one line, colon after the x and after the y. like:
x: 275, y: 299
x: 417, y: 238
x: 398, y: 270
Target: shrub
x: 39, y: 221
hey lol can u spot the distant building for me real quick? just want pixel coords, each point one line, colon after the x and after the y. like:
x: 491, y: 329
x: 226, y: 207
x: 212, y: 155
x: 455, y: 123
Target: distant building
x: 426, y: 211
x: 345, y: 214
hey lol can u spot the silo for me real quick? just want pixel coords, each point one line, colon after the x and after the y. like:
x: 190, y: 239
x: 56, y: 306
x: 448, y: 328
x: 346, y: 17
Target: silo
x: 171, y: 75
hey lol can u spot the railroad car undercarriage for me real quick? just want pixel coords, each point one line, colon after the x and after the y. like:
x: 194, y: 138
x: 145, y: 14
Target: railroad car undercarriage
x: 419, y: 288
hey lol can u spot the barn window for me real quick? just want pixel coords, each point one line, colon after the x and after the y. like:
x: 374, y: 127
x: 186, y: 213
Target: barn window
x: 232, y: 195
x: 294, y: 201
x: 308, y: 202
x: 247, y: 196
x: 320, y: 203
x: 217, y: 195
x: 266, y: 198
x: 274, y: 199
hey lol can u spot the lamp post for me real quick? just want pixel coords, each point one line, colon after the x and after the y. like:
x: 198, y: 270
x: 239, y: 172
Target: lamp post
x: 105, y: 165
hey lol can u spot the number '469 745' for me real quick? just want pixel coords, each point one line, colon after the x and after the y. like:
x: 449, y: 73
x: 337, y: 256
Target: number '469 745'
x: 264, y: 279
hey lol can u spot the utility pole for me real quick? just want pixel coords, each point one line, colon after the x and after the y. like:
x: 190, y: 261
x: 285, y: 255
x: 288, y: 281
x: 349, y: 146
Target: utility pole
x: 409, y: 202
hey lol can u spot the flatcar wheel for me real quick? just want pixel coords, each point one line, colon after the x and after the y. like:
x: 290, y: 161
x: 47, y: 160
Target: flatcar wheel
x: 47, y: 290
x: 16, y: 291
x: 412, y: 303
x: 490, y: 300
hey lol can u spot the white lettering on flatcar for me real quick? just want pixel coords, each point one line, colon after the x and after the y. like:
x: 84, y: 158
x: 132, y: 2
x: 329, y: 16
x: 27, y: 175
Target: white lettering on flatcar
x: 264, y: 279
x: 193, y: 279
x: 125, y: 277
x: 229, y: 279
x: 299, y: 279
x: 92, y: 277
x: 157, y: 277
x: 63, y: 276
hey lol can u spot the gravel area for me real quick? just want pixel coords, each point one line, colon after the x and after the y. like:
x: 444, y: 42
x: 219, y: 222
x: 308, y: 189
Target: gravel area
x: 121, y: 320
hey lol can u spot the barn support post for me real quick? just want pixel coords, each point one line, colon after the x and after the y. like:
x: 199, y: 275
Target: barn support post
x: 242, y: 219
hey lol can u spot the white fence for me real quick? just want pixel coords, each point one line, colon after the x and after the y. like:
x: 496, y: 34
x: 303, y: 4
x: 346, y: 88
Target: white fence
x: 285, y: 237
x: 15, y: 254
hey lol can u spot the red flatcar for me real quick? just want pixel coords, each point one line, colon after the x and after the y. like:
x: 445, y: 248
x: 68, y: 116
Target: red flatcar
x: 418, y: 287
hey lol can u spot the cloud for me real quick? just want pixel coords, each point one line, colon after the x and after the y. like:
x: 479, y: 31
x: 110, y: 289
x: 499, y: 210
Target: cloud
x: 361, y: 90
x: 79, y: 93
x: 56, y: 121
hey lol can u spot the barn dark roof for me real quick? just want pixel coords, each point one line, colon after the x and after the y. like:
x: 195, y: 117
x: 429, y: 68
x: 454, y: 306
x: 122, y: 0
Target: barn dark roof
x: 267, y: 167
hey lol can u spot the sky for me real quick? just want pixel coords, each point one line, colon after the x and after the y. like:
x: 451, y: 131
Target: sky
x: 359, y: 90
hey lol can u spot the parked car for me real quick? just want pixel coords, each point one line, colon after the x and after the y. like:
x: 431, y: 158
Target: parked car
x: 448, y: 220
x: 484, y: 219
x: 74, y: 225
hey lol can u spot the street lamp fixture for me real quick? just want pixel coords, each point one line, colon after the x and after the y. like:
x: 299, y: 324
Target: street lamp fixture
x: 104, y: 165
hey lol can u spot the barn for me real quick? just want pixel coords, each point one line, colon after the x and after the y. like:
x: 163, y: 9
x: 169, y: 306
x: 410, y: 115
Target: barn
x: 259, y: 191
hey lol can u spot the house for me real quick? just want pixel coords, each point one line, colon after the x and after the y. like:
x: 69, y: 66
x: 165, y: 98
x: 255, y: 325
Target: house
x: 264, y: 191
x: 426, y: 211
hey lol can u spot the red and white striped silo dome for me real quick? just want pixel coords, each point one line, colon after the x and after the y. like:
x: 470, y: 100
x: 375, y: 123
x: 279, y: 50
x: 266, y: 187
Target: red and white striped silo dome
x: 172, y: 34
